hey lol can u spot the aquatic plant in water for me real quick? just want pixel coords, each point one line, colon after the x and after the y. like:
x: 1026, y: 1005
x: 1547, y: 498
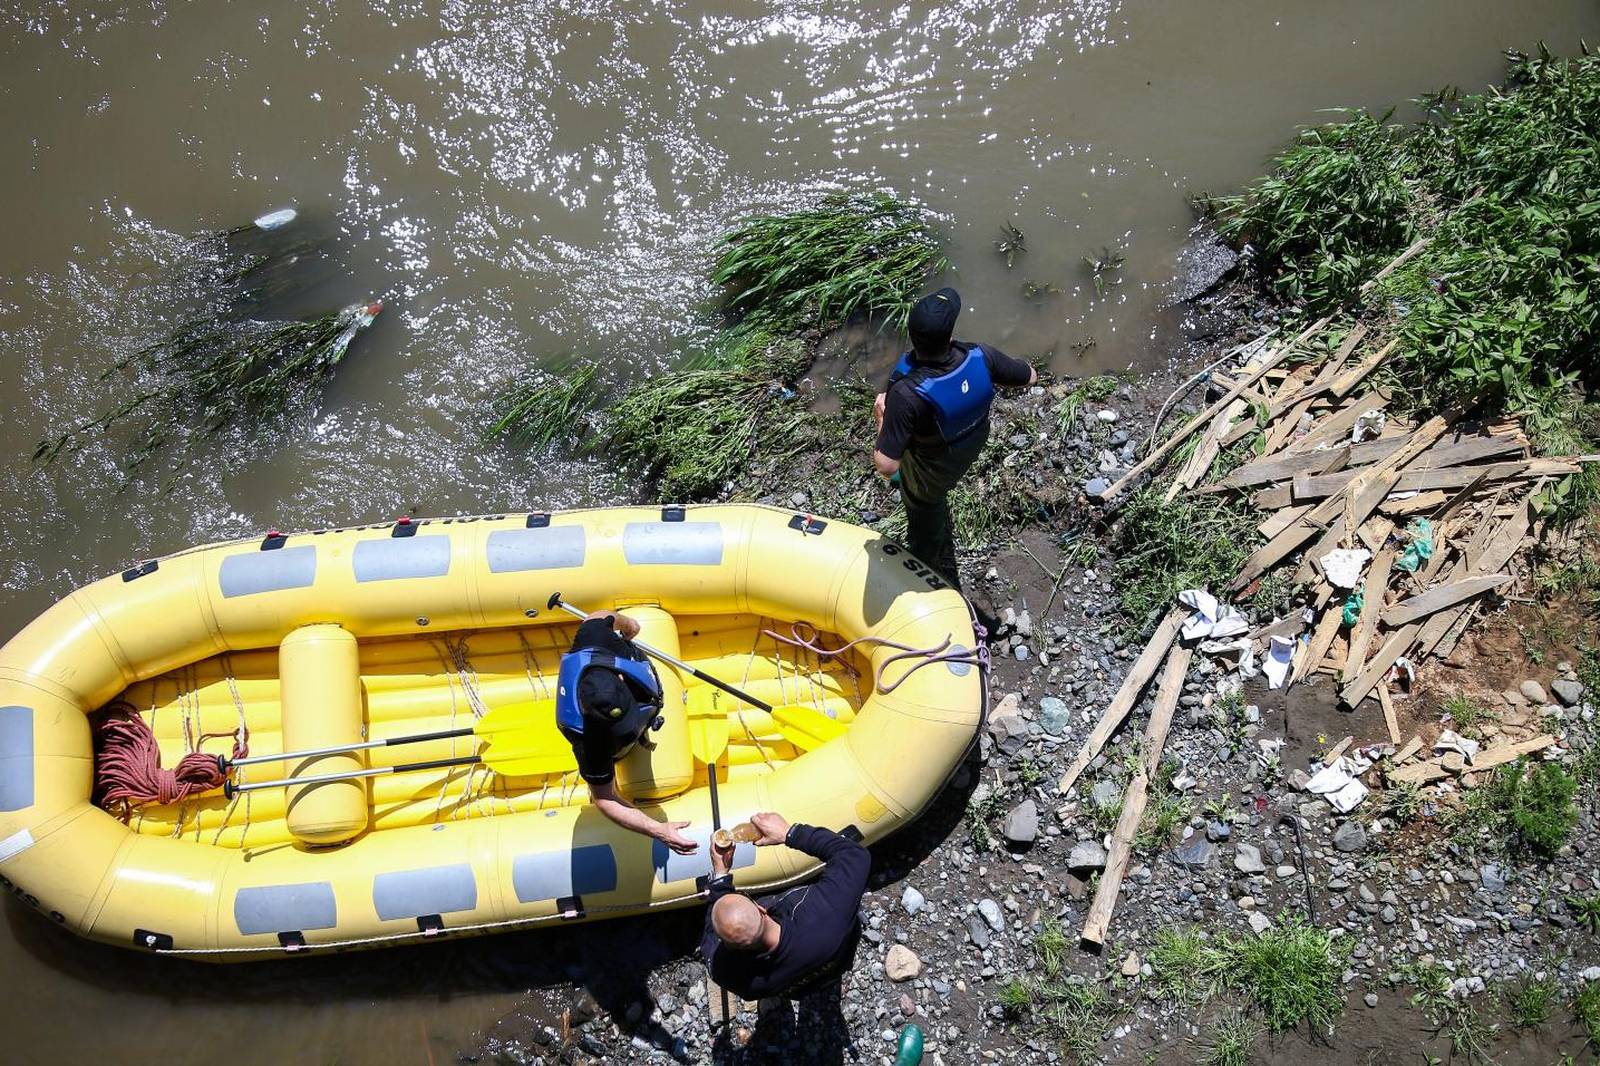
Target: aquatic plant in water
x: 221, y: 368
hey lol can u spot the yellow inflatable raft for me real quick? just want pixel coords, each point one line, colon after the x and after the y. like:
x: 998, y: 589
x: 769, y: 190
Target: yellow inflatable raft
x: 338, y: 636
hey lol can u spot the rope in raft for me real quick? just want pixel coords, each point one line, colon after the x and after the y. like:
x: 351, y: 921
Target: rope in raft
x: 127, y: 765
x: 805, y: 635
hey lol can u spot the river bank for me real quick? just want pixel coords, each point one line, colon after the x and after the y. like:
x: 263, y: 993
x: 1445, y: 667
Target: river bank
x: 1257, y: 922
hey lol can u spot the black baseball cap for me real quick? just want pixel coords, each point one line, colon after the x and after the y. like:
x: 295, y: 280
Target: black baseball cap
x: 603, y: 694
x: 933, y: 322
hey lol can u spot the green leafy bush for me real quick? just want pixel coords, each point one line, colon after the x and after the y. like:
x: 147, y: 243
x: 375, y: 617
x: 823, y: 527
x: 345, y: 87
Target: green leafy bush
x: 1523, y: 810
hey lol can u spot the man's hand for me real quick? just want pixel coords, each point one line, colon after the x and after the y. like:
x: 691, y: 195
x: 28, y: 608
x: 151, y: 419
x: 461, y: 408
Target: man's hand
x: 668, y: 834
x: 877, y: 409
x: 774, y: 830
x: 721, y: 860
x: 627, y: 627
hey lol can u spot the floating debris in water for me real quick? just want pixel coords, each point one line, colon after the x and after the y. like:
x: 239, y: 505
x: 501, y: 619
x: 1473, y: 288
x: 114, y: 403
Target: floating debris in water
x: 1034, y: 290
x: 1011, y: 244
x: 1101, y: 267
x: 226, y: 365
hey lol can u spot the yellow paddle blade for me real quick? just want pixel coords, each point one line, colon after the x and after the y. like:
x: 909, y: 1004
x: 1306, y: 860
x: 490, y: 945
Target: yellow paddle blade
x: 529, y: 755
x: 805, y: 727
x: 534, y: 714
x: 708, y: 730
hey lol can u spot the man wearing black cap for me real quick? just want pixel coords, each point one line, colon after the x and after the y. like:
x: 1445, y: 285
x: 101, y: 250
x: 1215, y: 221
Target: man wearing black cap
x: 607, y: 698
x: 933, y: 421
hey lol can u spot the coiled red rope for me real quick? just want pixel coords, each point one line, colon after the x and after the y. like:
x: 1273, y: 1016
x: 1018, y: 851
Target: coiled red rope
x: 127, y: 765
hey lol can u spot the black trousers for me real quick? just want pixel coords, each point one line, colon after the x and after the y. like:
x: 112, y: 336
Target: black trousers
x: 927, y: 476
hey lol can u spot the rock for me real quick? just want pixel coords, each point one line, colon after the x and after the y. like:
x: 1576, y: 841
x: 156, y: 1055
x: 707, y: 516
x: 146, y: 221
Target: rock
x: 1217, y: 832
x: 1350, y: 837
x: 799, y: 499
x: 901, y: 963
x: 1493, y: 878
x: 908, y: 1006
x: 1130, y: 965
x: 1053, y: 714
x: 1096, y: 487
x: 912, y: 900
x: 1087, y: 855
x: 1370, y: 999
x: 977, y: 932
x: 1106, y: 415
x: 991, y: 914
x: 1105, y: 794
x: 1202, y: 263
x: 1022, y: 824
x: 1195, y: 854
x: 1568, y: 692
x: 1007, y: 726
x: 1259, y: 923
x: 1247, y: 859
x: 1533, y: 692
x: 1298, y: 779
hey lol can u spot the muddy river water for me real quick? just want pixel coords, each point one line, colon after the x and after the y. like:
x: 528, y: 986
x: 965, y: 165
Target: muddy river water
x: 529, y: 182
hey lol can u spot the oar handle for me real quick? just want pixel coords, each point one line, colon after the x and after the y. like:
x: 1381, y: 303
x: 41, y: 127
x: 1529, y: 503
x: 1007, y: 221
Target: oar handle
x: 670, y: 660
x: 229, y: 789
x: 226, y: 763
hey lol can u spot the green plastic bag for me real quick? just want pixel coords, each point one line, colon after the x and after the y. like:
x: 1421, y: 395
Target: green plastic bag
x: 1420, y: 550
x: 1352, y: 606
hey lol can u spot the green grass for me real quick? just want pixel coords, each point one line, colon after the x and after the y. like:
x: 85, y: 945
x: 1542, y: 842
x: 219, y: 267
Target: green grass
x: 1016, y: 997
x: 1586, y: 1010
x: 1178, y: 964
x: 1229, y: 1039
x: 1498, y: 308
x: 536, y: 409
x: 1468, y: 716
x: 1586, y: 910
x: 1532, y: 1000
x: 865, y: 254
x: 1088, y: 391
x: 980, y: 813
x: 1163, y: 548
x: 694, y: 430
x: 1402, y: 802
x: 1291, y: 974
x: 1528, y: 812
x: 1073, y: 1012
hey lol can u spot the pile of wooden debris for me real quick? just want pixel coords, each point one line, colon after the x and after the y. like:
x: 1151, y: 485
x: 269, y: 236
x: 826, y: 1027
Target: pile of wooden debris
x: 1395, y: 528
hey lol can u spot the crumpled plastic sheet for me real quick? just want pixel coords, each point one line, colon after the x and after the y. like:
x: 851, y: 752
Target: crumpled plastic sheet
x: 1343, y: 567
x: 1420, y: 550
x: 1280, y: 656
x: 1338, y: 785
x: 1241, y: 651
x: 1369, y: 424
x: 1450, y: 740
x: 1211, y: 619
x: 1352, y: 606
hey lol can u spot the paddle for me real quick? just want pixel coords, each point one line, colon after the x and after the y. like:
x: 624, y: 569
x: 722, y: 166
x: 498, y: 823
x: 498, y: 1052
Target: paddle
x: 515, y: 752
x: 535, y: 718
x: 806, y: 728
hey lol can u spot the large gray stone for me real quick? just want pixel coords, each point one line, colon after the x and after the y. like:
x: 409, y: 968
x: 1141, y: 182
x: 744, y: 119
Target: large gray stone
x: 1534, y: 692
x: 1053, y: 714
x: 1350, y: 837
x: 1086, y: 855
x: 1196, y: 853
x: 1105, y: 794
x: 1568, y: 692
x: 1247, y: 859
x: 991, y: 914
x: 1022, y: 824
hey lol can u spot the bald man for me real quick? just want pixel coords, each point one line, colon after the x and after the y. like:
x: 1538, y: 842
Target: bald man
x: 778, y: 945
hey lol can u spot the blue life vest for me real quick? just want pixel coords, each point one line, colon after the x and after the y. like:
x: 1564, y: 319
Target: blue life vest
x: 640, y: 678
x: 959, y: 397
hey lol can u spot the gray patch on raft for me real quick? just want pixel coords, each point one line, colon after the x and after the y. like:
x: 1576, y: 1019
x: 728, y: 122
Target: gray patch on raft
x: 285, y: 908
x: 670, y: 866
x: 551, y: 548
x: 16, y: 758
x: 391, y: 558
x: 959, y: 669
x: 430, y: 890
x: 673, y: 543
x: 248, y: 573
x: 557, y: 874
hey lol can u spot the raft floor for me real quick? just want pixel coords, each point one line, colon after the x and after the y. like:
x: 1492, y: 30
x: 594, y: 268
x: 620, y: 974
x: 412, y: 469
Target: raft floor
x: 419, y: 684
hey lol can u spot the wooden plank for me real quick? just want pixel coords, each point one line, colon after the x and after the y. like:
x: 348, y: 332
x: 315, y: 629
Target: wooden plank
x: 1420, y: 773
x: 1390, y: 721
x: 1443, y: 468
x: 1410, y: 505
x: 1398, y: 261
x: 1198, y: 465
x: 1486, y: 760
x: 1278, y: 521
x: 1338, y: 425
x: 1345, y: 383
x: 1377, y: 587
x: 1337, y: 750
x: 1413, y: 746
x: 1143, y: 668
x: 1135, y: 798
x: 1183, y: 433
x: 1496, y: 554
x: 1321, y: 640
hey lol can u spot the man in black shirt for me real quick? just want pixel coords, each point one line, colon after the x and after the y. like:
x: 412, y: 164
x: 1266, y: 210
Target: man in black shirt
x: 780, y: 944
x: 933, y: 421
x: 607, y: 698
